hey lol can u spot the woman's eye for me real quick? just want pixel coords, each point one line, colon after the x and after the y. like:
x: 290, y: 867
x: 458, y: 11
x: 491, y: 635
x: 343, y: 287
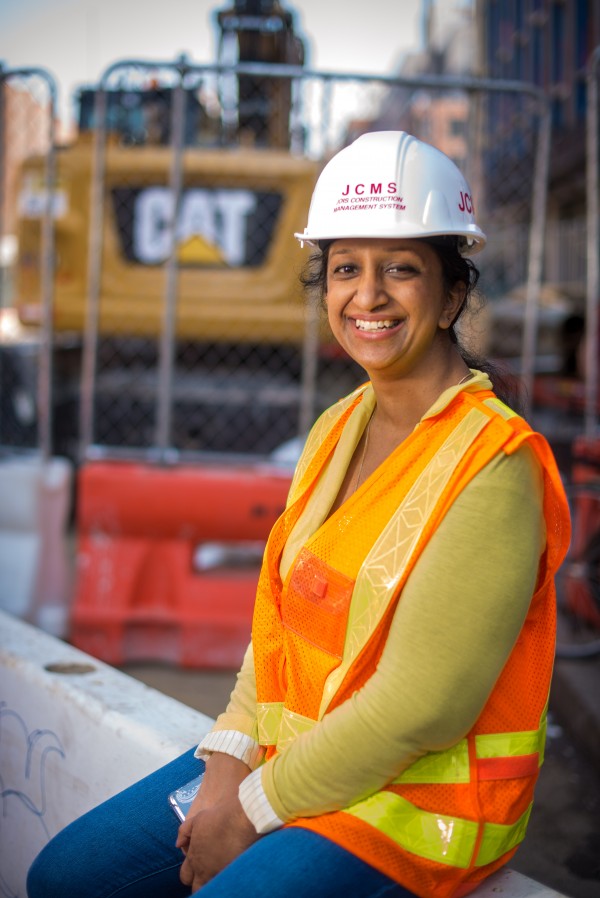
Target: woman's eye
x: 402, y: 268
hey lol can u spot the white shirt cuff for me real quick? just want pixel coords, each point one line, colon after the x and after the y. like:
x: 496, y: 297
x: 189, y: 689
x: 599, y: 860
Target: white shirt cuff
x: 256, y: 804
x: 234, y: 743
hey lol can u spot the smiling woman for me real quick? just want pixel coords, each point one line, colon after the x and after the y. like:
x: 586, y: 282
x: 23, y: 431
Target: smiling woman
x: 388, y: 305
x: 387, y: 726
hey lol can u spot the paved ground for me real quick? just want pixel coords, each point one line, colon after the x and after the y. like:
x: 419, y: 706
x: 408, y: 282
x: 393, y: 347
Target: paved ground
x: 562, y: 848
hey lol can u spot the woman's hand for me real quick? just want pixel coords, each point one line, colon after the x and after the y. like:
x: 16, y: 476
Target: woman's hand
x: 213, y: 838
x: 224, y: 830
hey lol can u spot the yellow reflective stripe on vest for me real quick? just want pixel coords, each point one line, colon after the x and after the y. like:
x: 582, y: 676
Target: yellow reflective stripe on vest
x: 449, y: 766
x: 501, y: 407
x: 268, y: 719
x: 292, y: 726
x: 498, y: 838
x: 510, y: 745
x: 279, y: 726
x: 439, y: 838
x: 452, y: 765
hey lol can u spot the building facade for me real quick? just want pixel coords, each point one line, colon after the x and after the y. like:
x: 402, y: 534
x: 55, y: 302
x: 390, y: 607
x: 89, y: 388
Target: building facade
x: 547, y: 43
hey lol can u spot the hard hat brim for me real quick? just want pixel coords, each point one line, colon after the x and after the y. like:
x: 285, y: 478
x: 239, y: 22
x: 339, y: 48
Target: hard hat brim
x: 469, y: 243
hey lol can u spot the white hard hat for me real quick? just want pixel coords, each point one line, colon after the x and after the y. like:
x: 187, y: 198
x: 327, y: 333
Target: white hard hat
x: 389, y: 184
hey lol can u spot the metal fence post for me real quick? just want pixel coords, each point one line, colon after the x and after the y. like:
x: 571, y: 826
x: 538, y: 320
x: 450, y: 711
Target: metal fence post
x: 95, y: 245
x: 536, y: 255
x: 3, y: 75
x: 46, y: 366
x: 167, y: 340
x: 592, y: 244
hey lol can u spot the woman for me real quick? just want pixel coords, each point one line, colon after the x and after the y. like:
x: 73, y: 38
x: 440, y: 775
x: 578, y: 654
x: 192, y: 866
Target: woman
x: 387, y: 726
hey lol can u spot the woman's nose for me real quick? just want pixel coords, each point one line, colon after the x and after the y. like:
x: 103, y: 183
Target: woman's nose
x: 369, y: 291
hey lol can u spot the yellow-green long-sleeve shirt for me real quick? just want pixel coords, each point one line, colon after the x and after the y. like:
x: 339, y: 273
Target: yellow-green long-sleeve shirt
x: 460, y: 614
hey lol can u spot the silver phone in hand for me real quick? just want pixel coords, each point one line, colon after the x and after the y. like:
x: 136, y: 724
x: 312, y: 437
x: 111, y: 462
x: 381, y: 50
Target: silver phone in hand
x: 181, y: 799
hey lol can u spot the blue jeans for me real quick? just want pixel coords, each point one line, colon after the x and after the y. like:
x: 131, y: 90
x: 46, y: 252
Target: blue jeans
x: 126, y: 847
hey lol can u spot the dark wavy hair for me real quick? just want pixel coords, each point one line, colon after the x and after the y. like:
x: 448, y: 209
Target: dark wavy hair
x: 455, y: 269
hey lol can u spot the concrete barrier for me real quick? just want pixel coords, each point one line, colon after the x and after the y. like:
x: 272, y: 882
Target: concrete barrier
x: 74, y: 731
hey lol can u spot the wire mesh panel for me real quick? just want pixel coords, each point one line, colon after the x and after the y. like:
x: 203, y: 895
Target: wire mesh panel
x: 183, y: 328
x: 29, y: 204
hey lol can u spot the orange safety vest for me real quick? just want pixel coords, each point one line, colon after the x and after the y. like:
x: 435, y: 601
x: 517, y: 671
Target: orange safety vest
x: 454, y: 816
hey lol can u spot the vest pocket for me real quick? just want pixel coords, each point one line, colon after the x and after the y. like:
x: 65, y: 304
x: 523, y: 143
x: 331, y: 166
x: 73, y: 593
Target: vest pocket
x: 316, y: 602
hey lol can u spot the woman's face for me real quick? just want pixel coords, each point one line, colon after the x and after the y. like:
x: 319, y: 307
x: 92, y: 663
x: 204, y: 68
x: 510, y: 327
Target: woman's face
x: 387, y: 304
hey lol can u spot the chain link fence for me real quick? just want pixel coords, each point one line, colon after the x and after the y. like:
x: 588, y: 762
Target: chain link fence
x: 180, y: 324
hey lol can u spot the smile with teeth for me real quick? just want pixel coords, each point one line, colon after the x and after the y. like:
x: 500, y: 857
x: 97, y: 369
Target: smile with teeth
x: 363, y: 325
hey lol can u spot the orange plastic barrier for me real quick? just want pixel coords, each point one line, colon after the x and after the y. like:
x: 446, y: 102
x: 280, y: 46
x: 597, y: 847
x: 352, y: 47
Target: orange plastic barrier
x: 140, y: 593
